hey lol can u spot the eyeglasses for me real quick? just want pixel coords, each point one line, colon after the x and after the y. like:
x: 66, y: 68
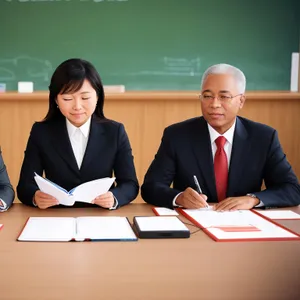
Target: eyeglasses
x: 222, y: 97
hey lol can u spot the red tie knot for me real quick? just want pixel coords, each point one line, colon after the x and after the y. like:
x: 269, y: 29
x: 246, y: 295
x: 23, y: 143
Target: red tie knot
x: 220, y: 142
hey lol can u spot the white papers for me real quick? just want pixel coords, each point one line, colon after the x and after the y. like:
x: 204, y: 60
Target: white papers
x: 82, y: 228
x: 160, y: 224
x: 49, y: 229
x: 104, y: 228
x: 85, y: 192
x: 163, y: 211
x: 242, y: 224
x: 280, y: 214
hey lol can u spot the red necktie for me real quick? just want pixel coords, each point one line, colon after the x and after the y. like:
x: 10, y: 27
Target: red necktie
x: 221, y: 168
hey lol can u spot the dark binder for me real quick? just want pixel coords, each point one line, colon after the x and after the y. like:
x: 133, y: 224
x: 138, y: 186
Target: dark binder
x: 159, y: 227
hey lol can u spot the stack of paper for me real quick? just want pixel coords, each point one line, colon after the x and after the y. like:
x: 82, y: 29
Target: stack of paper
x: 85, y: 192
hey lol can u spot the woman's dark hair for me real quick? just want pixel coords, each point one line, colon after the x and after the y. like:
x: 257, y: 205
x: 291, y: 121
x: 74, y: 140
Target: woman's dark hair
x: 69, y: 77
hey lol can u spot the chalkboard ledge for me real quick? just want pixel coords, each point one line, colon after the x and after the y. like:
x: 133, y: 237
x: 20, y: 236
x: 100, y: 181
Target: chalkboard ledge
x: 155, y: 95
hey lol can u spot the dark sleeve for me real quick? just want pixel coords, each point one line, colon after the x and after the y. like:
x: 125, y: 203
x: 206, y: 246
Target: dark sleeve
x: 7, y: 193
x: 32, y: 163
x: 160, y: 175
x: 127, y: 186
x: 282, y: 186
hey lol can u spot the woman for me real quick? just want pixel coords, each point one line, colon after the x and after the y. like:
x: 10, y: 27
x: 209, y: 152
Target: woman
x: 75, y: 143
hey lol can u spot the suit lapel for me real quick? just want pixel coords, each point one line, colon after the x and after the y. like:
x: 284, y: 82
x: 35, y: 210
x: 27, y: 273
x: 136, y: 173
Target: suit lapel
x: 62, y: 144
x: 95, y: 144
x: 240, y: 149
x: 202, y: 151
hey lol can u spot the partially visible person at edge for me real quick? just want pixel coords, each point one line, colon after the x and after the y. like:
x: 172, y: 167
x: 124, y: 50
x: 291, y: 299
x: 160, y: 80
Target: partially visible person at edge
x: 7, y: 193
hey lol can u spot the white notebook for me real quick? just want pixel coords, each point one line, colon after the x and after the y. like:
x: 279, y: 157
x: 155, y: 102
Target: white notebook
x: 65, y: 229
x: 280, y: 214
x: 85, y: 192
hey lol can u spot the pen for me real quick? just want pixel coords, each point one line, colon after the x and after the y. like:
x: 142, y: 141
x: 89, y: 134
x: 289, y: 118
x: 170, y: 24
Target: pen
x: 198, y: 187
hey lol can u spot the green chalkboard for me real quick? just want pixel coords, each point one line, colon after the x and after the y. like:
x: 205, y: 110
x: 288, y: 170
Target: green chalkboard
x: 149, y: 44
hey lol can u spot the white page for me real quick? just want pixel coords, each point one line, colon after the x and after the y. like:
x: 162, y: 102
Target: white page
x: 88, y: 191
x: 280, y: 214
x: 54, y: 190
x: 163, y: 211
x: 159, y: 223
x: 217, y: 222
x: 104, y: 228
x: 49, y: 229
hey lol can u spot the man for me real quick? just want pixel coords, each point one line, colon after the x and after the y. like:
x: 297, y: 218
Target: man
x: 7, y: 193
x: 229, y: 155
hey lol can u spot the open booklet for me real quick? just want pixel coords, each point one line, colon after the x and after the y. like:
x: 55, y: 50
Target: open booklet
x: 65, y: 229
x: 85, y: 192
x: 240, y: 225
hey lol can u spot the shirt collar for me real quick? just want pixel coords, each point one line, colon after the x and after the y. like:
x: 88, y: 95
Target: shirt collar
x: 85, y: 128
x: 228, y: 134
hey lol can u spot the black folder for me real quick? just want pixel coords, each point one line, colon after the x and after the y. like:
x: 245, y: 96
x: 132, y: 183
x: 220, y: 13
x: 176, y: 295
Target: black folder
x: 160, y: 227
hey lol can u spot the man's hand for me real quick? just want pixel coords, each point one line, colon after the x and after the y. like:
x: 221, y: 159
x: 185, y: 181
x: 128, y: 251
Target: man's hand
x: 106, y: 200
x: 43, y: 200
x: 191, y: 199
x: 234, y: 203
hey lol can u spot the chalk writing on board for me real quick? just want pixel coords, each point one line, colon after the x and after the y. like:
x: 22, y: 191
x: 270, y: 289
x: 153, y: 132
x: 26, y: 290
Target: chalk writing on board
x: 174, y: 66
x: 184, y: 66
x: 35, y: 69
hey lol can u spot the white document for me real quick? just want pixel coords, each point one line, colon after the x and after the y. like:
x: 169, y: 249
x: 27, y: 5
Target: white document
x: 280, y: 214
x: 85, y: 192
x: 64, y: 229
x: 164, y: 211
x: 241, y: 224
x: 155, y: 223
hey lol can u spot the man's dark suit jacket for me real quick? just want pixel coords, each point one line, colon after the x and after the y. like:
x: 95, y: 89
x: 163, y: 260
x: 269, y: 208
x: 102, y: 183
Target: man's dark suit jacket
x: 49, y: 150
x: 256, y: 155
x: 7, y: 193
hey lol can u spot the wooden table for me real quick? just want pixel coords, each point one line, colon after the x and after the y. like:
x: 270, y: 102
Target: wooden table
x: 195, y: 268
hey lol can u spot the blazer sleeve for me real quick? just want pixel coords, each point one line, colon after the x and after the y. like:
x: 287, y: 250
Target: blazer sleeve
x: 282, y: 186
x: 127, y: 187
x: 32, y: 163
x: 7, y: 193
x: 156, y: 188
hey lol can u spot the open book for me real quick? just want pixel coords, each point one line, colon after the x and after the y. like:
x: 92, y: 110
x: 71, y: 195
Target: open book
x: 65, y: 229
x: 85, y: 192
